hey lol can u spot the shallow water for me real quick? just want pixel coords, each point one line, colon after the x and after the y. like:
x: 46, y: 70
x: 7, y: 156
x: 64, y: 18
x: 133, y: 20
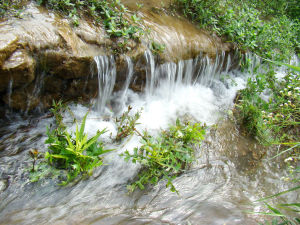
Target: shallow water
x: 228, y: 175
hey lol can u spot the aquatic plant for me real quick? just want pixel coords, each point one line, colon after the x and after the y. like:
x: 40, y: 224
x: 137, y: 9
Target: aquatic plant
x: 69, y: 154
x: 75, y: 153
x: 165, y: 156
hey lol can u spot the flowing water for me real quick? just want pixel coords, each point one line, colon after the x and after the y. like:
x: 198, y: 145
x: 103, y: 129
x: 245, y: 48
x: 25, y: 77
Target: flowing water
x: 228, y: 175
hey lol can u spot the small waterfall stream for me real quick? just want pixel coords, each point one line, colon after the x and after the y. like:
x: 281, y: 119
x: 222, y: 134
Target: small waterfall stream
x: 217, y: 189
x: 106, y: 69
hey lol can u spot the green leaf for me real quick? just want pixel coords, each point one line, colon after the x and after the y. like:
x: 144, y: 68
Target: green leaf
x: 295, y: 68
x: 278, y: 194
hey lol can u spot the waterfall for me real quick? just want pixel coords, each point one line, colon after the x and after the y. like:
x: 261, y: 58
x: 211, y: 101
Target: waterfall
x: 201, y: 70
x: 128, y: 77
x: 151, y: 78
x: 164, y: 78
x: 106, y: 71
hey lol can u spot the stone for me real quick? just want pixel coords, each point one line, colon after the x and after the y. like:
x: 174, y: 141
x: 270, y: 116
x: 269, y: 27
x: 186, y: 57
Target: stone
x: 8, y: 44
x: 19, y: 67
x: 3, y: 185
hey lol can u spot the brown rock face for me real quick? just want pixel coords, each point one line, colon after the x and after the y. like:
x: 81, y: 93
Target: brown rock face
x: 8, y: 44
x: 19, y: 68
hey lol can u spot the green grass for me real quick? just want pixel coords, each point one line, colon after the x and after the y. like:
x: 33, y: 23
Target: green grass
x: 263, y: 28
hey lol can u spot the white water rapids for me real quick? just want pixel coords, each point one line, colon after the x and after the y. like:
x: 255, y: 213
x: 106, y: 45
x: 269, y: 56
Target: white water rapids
x: 218, y: 188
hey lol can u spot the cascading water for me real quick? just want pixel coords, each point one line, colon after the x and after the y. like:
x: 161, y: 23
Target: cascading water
x: 106, y: 71
x: 217, y: 189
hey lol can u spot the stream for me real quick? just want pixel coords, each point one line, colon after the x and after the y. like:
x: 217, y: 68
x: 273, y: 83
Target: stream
x: 230, y: 173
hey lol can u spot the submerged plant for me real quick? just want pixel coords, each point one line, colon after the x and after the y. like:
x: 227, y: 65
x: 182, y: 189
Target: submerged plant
x: 167, y: 155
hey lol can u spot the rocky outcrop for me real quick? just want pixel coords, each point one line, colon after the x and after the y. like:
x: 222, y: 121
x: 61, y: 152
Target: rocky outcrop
x: 43, y: 57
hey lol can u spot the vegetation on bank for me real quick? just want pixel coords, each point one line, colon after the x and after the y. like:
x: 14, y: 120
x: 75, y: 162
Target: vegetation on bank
x: 11, y: 7
x: 269, y: 107
x: 270, y: 29
x: 112, y: 14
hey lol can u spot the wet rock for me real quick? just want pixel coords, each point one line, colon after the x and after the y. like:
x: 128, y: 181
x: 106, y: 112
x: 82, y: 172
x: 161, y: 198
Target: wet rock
x: 53, y: 84
x: 66, y: 66
x: 3, y: 185
x: 82, y: 88
x: 91, y: 34
x: 22, y: 99
x: 19, y: 67
x: 8, y: 44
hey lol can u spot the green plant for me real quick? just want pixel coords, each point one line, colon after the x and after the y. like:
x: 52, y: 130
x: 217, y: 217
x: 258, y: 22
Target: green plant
x: 261, y: 27
x: 277, y: 118
x: 126, y: 124
x: 76, y: 154
x: 167, y: 155
x: 11, y: 7
x: 157, y: 48
x: 111, y: 13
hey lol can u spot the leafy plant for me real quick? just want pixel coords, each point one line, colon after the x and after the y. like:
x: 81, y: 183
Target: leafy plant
x: 126, y: 124
x: 157, y: 48
x: 273, y: 119
x: 11, y: 7
x: 74, y: 153
x: 111, y: 13
x: 165, y: 156
x: 259, y: 26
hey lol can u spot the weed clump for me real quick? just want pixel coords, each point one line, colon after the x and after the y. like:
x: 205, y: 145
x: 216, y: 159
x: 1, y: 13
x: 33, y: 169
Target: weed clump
x: 74, y: 153
x: 167, y: 155
x: 275, y: 118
